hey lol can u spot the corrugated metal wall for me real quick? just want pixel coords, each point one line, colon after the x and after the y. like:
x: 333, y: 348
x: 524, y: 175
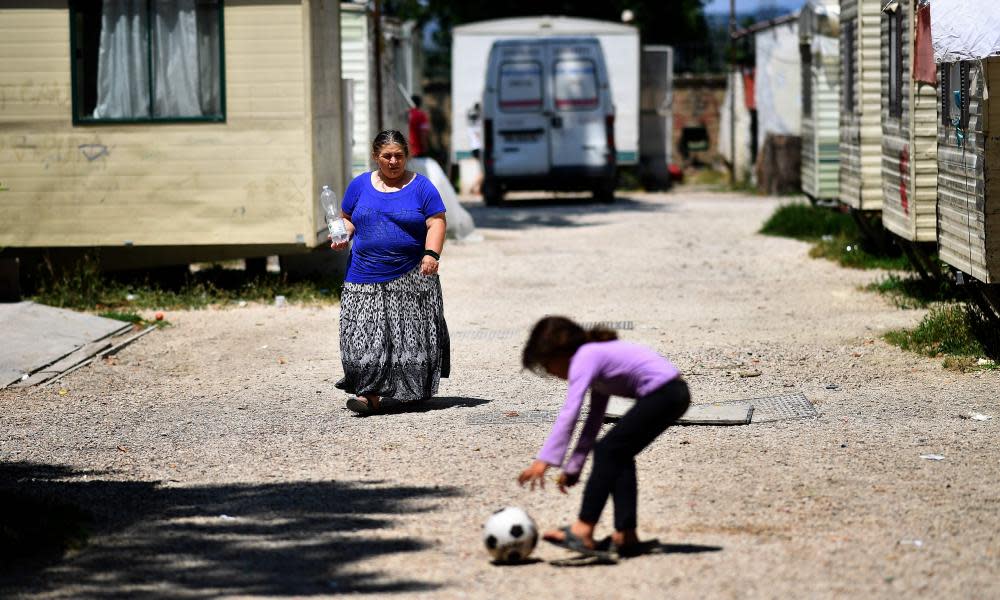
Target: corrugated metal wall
x: 909, y: 145
x: 861, y: 129
x: 969, y: 178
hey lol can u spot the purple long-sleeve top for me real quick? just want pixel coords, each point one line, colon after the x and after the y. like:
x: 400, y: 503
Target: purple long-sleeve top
x: 614, y: 368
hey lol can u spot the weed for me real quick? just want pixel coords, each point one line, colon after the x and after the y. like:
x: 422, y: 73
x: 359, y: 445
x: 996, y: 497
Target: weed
x: 806, y: 222
x: 133, y: 318
x: 945, y: 330
x: 852, y: 253
x: 84, y: 287
x: 718, y: 181
x: 835, y: 236
x: 914, y: 292
x: 128, y: 317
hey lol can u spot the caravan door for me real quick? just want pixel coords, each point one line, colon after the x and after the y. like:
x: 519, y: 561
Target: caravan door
x: 581, y: 110
x: 520, y: 132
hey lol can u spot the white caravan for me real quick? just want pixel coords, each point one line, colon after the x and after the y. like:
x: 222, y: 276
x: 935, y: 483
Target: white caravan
x: 548, y: 118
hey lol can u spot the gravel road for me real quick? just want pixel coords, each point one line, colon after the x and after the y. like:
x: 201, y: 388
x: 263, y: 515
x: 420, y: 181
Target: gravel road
x: 217, y: 459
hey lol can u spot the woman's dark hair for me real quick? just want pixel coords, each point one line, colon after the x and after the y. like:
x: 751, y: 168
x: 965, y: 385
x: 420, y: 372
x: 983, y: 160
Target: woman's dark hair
x: 390, y: 136
x: 553, y: 337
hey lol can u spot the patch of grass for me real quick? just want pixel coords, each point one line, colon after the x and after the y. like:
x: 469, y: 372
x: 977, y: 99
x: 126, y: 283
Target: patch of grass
x: 808, y: 223
x: 835, y: 236
x: 945, y: 331
x: 851, y: 252
x: 84, y: 287
x: 713, y: 177
x: 133, y: 318
x: 128, y: 317
x: 913, y: 292
x: 717, y: 180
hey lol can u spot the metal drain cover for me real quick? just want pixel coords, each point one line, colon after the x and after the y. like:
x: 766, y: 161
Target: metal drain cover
x: 785, y: 407
x: 517, y: 416
x: 503, y: 334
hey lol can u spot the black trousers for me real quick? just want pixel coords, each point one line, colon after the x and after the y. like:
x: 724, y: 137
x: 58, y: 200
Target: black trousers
x: 613, y: 473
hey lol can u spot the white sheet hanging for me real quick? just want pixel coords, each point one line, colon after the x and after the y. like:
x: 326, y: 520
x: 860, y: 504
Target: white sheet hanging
x: 460, y: 223
x: 965, y: 29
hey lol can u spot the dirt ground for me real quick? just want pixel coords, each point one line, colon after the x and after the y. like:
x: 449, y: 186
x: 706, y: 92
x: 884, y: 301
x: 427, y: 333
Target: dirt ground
x: 217, y: 459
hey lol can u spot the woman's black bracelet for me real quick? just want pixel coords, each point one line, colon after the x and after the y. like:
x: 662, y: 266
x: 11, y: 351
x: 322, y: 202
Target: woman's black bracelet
x: 433, y: 254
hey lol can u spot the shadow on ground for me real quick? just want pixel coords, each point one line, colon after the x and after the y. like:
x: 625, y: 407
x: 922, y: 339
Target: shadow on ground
x: 282, y: 539
x: 684, y: 549
x: 442, y: 403
x: 543, y: 211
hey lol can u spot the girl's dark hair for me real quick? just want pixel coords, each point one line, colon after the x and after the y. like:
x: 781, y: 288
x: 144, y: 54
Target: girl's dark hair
x: 390, y: 136
x: 553, y: 337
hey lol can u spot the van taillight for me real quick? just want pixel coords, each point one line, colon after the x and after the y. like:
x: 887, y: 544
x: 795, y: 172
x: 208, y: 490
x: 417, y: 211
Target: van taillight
x: 488, y: 143
x: 609, y: 130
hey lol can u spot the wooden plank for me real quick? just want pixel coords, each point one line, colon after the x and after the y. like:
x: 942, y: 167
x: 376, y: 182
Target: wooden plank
x: 64, y: 364
x: 114, y: 347
x: 37, y: 335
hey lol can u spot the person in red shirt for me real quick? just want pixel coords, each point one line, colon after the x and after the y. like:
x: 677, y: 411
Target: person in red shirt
x: 420, y: 128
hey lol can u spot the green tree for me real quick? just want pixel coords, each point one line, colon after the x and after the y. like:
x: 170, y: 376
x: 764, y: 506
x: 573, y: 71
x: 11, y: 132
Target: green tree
x: 679, y: 23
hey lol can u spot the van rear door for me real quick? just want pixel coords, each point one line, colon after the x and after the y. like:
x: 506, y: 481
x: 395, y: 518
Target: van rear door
x: 521, y: 140
x: 581, y: 105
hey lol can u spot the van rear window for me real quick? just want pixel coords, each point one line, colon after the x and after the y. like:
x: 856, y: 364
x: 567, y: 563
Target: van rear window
x: 521, y: 86
x: 576, y: 85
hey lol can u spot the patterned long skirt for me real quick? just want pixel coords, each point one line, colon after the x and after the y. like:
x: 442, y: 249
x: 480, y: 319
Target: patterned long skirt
x: 393, y: 337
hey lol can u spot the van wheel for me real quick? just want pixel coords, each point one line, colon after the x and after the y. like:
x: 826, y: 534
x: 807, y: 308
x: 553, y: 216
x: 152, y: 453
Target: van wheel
x: 492, y: 193
x: 605, y: 192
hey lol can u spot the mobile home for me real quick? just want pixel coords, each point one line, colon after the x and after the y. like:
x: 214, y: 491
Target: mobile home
x: 401, y: 72
x: 968, y: 219
x: 819, y: 26
x: 860, y: 174
x: 909, y: 127
x: 222, y: 158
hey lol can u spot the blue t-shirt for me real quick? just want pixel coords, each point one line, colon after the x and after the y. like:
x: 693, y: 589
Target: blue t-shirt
x: 391, y: 227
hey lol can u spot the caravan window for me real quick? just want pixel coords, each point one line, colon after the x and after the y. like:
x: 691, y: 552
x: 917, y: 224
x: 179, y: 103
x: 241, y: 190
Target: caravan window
x: 805, y: 51
x: 850, y: 66
x: 955, y: 90
x: 576, y: 85
x: 147, y: 61
x: 521, y: 86
x: 895, y: 63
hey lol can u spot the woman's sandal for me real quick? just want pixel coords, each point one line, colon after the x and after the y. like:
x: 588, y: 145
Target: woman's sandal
x: 361, y: 406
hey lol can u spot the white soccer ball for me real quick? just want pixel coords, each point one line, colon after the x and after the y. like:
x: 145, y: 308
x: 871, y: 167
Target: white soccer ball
x: 510, y: 535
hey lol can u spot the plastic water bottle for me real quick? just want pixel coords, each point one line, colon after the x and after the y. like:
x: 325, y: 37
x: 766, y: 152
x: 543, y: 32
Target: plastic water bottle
x: 334, y: 222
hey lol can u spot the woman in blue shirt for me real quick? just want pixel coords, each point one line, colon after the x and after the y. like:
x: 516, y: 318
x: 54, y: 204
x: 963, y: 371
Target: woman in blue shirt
x: 393, y: 337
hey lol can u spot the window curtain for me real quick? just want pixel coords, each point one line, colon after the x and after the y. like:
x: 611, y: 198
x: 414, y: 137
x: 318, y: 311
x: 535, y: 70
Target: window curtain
x: 185, y: 59
x: 122, y: 69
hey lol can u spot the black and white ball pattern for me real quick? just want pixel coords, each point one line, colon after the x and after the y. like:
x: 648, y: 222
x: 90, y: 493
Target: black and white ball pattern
x: 510, y: 535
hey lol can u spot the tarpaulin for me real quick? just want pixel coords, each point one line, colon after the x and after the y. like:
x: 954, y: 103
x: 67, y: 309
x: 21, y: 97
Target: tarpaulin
x: 778, y: 81
x: 965, y: 29
x: 751, y: 103
x: 924, y: 69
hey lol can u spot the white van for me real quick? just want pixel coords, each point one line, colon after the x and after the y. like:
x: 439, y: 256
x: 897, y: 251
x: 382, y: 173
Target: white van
x: 548, y: 119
